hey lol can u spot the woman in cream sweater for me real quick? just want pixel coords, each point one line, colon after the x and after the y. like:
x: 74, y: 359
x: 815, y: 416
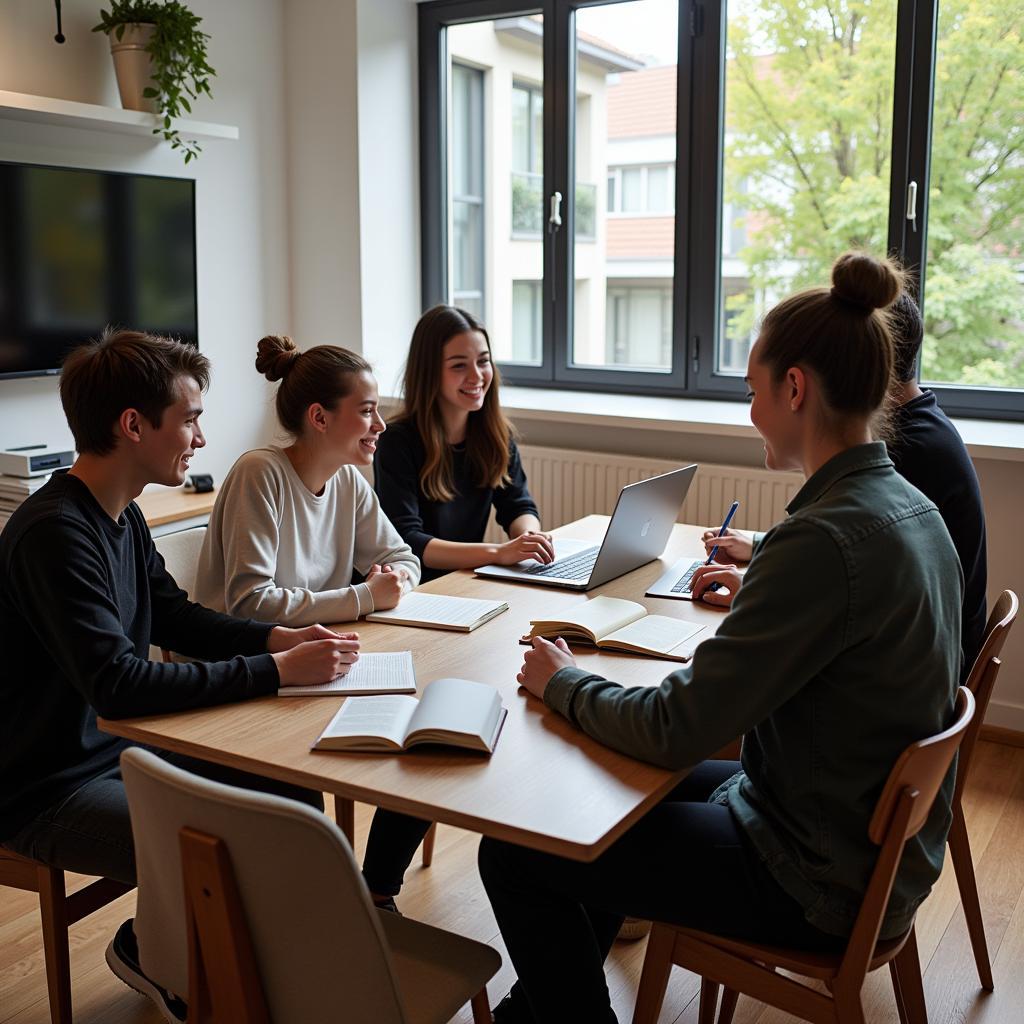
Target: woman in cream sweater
x: 291, y: 525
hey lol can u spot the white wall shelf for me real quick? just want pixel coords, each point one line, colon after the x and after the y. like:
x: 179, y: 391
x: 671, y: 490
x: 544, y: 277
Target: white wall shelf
x: 18, y: 106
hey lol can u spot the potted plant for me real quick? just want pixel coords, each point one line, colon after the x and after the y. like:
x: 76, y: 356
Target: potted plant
x: 160, y: 60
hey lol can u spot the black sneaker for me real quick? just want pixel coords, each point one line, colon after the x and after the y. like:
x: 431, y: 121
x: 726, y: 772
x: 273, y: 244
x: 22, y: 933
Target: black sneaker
x: 123, y: 960
x: 388, y: 904
x: 513, y: 1009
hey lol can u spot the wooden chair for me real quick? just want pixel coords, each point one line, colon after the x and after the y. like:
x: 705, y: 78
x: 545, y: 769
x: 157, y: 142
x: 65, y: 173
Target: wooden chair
x: 751, y: 967
x: 180, y: 552
x: 980, y: 682
x: 58, y: 911
x: 254, y: 906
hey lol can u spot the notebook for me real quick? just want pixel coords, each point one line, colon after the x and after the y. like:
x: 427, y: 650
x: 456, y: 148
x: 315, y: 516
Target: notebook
x: 455, y: 712
x: 439, y: 611
x: 371, y: 674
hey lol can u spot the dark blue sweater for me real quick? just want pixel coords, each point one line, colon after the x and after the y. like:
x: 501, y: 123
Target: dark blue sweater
x: 929, y: 452
x: 419, y: 519
x: 81, y: 600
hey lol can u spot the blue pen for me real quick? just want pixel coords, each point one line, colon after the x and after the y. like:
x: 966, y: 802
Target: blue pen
x: 721, y: 533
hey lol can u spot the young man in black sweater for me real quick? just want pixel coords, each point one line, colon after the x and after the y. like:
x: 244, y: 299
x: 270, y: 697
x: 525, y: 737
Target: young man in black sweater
x: 83, y: 594
x: 928, y: 451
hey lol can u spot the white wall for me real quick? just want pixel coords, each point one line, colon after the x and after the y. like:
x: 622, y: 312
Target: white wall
x: 389, y: 211
x: 242, y: 240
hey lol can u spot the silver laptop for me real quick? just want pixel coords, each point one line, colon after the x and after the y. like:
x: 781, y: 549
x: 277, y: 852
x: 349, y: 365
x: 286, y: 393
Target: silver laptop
x: 637, y: 534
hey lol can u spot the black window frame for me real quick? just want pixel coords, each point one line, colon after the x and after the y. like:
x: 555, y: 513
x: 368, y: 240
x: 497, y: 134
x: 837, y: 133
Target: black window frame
x: 698, y: 174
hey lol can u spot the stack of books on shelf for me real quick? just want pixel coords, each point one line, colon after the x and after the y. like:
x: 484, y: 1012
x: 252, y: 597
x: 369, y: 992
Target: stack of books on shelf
x: 14, y: 490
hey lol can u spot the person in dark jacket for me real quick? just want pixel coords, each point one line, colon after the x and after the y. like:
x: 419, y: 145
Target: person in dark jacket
x: 840, y: 650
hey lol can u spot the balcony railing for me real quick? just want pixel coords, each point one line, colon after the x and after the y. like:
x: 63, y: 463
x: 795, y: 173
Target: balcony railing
x: 528, y: 207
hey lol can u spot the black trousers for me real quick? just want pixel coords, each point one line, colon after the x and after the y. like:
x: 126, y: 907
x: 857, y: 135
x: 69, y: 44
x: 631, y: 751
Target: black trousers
x: 686, y: 862
x: 390, y: 848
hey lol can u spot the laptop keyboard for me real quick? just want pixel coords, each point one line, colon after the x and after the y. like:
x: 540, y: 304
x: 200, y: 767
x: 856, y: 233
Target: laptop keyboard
x: 682, y: 585
x: 572, y: 567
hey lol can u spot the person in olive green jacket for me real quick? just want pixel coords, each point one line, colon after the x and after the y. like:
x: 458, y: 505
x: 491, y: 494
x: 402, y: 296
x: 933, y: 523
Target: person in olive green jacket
x: 841, y: 648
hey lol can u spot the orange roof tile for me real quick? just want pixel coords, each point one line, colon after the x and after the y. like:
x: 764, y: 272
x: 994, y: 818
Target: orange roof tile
x: 651, y: 238
x: 643, y: 103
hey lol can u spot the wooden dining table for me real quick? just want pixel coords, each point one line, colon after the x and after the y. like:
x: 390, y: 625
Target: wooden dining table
x: 547, y: 785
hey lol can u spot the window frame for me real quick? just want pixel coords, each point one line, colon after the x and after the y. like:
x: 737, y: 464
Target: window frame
x: 699, y: 165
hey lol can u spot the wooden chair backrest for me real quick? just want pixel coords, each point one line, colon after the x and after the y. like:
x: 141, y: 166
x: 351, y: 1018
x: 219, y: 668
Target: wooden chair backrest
x: 312, y: 930
x: 901, y: 810
x: 982, y: 679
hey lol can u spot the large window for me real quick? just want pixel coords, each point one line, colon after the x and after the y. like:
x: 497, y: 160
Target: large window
x: 713, y: 158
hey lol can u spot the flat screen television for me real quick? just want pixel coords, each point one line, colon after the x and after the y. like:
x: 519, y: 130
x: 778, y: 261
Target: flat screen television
x: 82, y: 249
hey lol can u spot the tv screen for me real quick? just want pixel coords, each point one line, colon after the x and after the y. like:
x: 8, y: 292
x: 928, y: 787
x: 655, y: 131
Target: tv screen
x: 83, y: 249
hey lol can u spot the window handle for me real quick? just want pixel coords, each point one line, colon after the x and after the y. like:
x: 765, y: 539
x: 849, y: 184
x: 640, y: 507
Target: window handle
x: 555, y: 217
x: 912, y: 204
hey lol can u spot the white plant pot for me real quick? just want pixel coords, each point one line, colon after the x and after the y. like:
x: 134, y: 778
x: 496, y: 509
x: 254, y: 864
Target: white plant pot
x: 133, y: 66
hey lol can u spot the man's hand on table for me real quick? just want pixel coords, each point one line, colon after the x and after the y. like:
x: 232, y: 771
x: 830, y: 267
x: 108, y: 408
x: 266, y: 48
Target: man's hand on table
x: 311, y: 655
x: 541, y: 662
x: 728, y: 578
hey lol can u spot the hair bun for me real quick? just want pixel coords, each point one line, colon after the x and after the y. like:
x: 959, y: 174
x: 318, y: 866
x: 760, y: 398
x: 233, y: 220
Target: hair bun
x: 866, y: 282
x: 275, y: 355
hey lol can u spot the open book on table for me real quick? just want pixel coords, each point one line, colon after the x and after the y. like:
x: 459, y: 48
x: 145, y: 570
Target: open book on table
x: 456, y: 712
x: 613, y: 624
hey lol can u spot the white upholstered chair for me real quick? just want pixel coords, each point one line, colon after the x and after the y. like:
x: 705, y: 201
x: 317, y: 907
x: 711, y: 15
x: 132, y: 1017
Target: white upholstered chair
x: 253, y: 906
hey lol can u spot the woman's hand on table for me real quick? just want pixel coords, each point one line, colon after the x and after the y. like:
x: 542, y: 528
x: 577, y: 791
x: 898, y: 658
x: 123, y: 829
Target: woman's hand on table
x: 541, y: 662
x: 387, y: 585
x: 532, y: 544
x: 728, y: 578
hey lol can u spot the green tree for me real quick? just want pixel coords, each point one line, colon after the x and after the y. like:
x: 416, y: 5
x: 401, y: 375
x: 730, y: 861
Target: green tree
x: 809, y: 137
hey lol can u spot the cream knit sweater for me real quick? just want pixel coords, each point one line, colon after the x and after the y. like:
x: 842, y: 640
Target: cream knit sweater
x: 278, y: 553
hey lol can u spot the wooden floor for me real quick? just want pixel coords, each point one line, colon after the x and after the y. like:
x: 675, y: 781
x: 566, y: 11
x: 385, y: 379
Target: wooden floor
x: 449, y: 894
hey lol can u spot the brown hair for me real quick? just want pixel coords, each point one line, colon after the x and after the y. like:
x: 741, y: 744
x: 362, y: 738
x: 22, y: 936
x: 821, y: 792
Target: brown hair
x: 320, y: 375
x: 488, y: 433
x: 123, y: 370
x: 843, y: 334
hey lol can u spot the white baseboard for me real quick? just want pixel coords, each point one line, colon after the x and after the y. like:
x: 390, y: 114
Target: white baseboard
x: 1004, y: 715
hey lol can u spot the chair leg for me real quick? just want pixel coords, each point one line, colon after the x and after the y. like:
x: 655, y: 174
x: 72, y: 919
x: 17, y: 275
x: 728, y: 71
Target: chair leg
x: 849, y: 1009
x: 428, y: 845
x: 53, y: 912
x: 481, y: 1007
x: 963, y: 865
x: 345, y: 816
x: 650, y: 993
x: 708, y: 1001
x: 907, y: 971
x: 728, y: 1007
x: 897, y: 992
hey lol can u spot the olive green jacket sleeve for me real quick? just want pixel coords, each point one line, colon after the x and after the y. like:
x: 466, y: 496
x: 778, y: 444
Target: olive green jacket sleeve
x: 757, y: 660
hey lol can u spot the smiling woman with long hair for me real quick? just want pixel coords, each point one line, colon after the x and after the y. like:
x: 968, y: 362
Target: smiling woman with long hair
x: 450, y: 456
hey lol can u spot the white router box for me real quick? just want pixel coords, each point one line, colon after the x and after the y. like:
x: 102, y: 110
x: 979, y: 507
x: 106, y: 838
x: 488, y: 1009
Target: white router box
x: 34, y: 460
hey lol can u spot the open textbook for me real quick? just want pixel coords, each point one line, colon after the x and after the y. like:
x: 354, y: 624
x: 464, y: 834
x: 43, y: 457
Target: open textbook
x: 371, y: 674
x: 438, y: 611
x: 452, y: 711
x: 613, y: 624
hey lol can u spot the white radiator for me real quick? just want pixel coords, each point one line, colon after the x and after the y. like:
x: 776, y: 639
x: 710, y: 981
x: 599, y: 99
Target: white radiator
x: 568, y: 485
